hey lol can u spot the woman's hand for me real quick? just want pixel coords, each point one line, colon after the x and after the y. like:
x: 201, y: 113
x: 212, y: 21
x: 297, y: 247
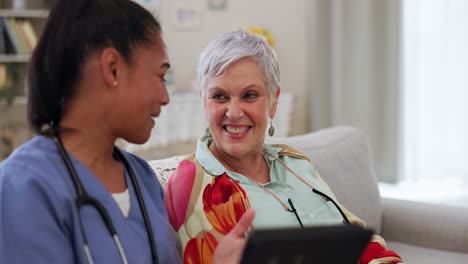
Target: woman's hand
x: 230, y: 249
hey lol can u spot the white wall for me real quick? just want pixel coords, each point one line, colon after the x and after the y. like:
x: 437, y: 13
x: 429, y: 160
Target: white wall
x: 286, y: 20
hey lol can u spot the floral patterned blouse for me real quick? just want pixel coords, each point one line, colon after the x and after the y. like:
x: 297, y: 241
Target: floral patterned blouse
x: 205, y: 201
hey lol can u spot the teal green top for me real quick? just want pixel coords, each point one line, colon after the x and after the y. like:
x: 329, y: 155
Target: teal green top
x: 312, y: 208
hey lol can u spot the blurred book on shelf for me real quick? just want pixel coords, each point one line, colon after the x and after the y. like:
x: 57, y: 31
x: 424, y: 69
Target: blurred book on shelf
x: 2, y: 37
x: 29, y: 34
x: 20, y: 34
x: 11, y: 36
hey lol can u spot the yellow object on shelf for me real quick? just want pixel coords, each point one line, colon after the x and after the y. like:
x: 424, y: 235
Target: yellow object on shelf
x: 3, y: 76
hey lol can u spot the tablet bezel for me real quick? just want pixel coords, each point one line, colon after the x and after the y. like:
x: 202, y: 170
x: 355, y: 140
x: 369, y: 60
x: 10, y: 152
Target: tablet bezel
x: 337, y: 244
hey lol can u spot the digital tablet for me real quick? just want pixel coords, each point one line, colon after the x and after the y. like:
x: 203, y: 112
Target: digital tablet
x: 340, y: 244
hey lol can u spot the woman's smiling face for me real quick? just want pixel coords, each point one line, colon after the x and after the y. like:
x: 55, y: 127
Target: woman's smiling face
x: 237, y: 106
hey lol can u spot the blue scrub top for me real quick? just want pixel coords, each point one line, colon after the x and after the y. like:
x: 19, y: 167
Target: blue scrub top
x: 39, y: 220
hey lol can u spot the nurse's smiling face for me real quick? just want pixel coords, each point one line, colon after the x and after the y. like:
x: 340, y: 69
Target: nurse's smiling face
x: 237, y: 106
x: 144, y: 91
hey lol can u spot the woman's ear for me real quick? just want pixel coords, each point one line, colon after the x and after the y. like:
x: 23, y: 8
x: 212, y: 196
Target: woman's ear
x: 274, y: 103
x: 110, y: 60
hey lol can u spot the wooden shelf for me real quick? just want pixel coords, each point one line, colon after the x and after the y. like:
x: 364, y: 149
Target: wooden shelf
x: 26, y: 13
x: 14, y: 58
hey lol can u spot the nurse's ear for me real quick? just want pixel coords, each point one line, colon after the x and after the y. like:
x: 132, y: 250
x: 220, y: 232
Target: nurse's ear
x: 110, y: 62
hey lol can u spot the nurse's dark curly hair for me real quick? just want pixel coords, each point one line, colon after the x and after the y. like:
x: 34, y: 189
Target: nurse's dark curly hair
x: 74, y: 30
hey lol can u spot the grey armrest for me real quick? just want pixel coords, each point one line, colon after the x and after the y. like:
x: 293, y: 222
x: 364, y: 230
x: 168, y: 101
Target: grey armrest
x: 427, y: 225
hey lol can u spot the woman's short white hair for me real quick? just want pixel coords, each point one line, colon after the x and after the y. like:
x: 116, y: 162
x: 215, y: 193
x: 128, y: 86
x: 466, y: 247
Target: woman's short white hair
x: 233, y: 46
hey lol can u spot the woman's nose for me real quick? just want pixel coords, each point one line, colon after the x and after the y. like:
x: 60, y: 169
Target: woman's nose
x: 235, y: 109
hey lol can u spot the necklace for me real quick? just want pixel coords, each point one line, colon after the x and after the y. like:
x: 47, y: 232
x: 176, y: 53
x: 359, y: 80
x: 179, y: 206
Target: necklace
x: 285, y: 206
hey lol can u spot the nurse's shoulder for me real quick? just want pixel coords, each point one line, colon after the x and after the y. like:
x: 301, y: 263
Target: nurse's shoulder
x: 33, y: 169
x: 35, y: 208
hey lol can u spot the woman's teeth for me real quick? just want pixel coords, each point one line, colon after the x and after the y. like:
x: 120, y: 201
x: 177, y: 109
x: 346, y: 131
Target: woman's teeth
x: 236, y: 130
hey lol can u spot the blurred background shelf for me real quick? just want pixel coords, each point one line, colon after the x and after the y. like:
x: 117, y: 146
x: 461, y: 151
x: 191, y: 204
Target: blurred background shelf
x: 14, y: 58
x: 21, y: 24
x: 24, y: 13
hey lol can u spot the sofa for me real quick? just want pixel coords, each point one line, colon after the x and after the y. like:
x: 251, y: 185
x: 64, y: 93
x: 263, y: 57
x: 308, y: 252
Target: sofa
x: 420, y: 233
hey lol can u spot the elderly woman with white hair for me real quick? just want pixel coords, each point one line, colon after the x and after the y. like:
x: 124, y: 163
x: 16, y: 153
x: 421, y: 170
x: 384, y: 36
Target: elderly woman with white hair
x: 233, y: 169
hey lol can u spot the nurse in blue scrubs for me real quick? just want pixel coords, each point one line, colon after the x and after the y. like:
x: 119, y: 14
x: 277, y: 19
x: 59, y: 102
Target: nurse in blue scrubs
x: 96, y: 75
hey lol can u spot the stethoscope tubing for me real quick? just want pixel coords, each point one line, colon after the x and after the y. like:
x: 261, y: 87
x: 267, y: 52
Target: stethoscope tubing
x: 83, y: 198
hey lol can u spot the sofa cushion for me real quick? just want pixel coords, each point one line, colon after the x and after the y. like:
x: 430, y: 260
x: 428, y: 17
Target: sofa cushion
x: 420, y: 255
x: 428, y: 225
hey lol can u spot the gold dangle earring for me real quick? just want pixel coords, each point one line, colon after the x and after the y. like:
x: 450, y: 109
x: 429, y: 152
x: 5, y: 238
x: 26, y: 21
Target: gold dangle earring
x: 207, y: 132
x: 271, y: 130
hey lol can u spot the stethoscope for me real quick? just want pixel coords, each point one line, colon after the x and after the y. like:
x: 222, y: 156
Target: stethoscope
x: 83, y: 198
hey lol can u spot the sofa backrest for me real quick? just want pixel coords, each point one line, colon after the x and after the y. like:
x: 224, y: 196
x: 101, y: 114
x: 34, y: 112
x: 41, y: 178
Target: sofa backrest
x: 340, y: 155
